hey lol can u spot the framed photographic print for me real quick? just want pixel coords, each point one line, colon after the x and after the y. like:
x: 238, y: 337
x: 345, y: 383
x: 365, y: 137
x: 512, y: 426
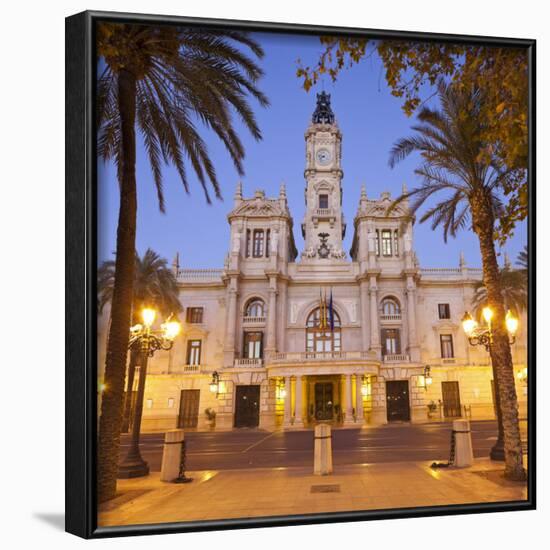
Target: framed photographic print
x: 300, y: 274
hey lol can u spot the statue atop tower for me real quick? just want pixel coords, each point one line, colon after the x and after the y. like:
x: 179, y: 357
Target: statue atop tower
x: 323, y: 112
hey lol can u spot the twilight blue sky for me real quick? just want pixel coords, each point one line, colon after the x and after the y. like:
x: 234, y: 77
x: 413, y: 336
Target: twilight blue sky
x: 370, y: 119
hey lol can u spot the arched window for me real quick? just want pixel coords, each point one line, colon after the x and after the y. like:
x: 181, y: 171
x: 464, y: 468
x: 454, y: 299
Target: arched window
x: 255, y: 308
x: 390, y: 306
x: 322, y: 340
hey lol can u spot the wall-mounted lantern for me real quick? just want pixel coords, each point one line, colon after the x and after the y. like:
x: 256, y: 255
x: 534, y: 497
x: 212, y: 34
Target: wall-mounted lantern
x: 215, y: 383
x: 427, y: 377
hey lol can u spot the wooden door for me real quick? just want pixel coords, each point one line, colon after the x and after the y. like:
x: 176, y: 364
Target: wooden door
x: 397, y: 400
x: 451, y: 399
x: 189, y: 409
x: 247, y: 406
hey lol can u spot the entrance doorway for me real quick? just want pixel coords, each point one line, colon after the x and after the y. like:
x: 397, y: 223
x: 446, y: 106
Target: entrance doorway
x: 189, y: 409
x: 324, y: 401
x: 451, y: 399
x: 247, y: 406
x: 397, y: 399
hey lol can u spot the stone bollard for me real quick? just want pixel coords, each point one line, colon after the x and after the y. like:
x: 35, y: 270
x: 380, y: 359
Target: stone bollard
x: 464, y: 455
x: 323, y: 450
x: 171, y: 454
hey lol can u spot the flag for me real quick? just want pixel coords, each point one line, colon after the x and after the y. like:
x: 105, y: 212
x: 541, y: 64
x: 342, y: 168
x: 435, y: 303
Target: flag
x: 331, y: 312
x: 322, y: 310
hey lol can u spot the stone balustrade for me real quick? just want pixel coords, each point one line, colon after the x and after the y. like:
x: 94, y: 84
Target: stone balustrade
x: 310, y: 356
x: 250, y: 320
x: 396, y: 358
x: 246, y: 362
x: 199, y: 275
x: 390, y: 317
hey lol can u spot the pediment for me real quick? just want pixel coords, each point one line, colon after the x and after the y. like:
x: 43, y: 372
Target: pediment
x: 259, y: 208
x: 380, y: 208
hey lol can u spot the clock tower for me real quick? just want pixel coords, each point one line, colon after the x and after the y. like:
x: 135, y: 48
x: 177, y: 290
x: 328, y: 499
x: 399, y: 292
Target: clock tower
x: 323, y: 227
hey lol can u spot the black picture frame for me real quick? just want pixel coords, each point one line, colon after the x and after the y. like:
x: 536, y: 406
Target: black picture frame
x: 81, y: 261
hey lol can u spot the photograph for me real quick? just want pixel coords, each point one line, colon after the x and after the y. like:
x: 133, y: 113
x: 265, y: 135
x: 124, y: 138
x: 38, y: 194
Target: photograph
x: 310, y: 274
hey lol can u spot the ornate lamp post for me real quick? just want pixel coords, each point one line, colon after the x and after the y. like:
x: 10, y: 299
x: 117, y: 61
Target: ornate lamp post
x: 483, y: 336
x: 145, y: 341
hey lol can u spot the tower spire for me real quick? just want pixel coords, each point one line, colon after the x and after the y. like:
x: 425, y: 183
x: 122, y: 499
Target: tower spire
x: 323, y: 111
x: 238, y: 197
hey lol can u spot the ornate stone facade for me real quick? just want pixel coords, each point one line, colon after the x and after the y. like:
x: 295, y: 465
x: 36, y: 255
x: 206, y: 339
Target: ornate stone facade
x: 258, y: 329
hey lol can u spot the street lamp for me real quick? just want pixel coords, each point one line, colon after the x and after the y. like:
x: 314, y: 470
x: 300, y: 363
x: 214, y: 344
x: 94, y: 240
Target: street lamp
x: 483, y: 336
x: 145, y: 341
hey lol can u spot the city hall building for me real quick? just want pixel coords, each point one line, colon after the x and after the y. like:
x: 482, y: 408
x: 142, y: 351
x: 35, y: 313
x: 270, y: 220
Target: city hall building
x: 256, y: 348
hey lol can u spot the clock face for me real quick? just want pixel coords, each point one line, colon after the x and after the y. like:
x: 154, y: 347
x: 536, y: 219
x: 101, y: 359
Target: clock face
x: 323, y: 156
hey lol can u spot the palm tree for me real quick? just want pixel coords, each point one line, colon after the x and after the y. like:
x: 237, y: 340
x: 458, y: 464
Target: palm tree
x: 514, y: 291
x: 164, y: 81
x: 523, y: 259
x: 154, y: 285
x: 449, y: 142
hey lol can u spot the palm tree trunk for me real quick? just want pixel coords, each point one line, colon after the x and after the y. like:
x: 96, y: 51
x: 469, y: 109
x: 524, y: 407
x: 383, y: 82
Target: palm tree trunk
x: 501, y: 356
x: 117, y: 346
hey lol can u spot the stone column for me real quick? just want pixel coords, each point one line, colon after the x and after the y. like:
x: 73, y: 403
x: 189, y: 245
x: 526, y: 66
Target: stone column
x: 374, y: 330
x: 282, y: 318
x: 349, y: 400
x: 411, y: 319
x: 271, y: 345
x: 378, y: 414
x: 364, y: 289
x: 358, y: 399
x: 288, y: 402
x: 298, y: 413
x: 230, y: 324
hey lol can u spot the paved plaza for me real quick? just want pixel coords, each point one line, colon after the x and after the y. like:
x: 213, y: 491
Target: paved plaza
x: 224, y: 494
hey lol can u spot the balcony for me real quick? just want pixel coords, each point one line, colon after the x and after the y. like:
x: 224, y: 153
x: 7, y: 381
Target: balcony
x: 312, y: 356
x: 183, y: 369
x: 324, y: 212
x: 396, y: 358
x: 248, y: 363
x: 392, y: 317
x: 249, y: 320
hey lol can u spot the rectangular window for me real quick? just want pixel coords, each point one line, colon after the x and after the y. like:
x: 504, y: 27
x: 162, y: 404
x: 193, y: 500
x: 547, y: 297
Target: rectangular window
x: 396, y: 242
x: 391, y: 341
x: 258, y: 243
x: 444, y: 311
x: 377, y: 243
x: 253, y: 345
x: 386, y: 242
x: 323, y: 201
x: 248, y: 244
x: 446, y: 341
x: 267, y: 242
x: 194, y: 352
x: 194, y: 315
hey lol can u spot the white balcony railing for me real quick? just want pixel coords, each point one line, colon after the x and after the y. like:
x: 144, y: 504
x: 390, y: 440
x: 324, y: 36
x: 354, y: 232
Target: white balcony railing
x: 390, y: 317
x: 181, y: 369
x: 245, y: 362
x: 199, y: 275
x: 249, y: 320
x: 396, y: 358
x: 324, y: 212
x: 312, y: 356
